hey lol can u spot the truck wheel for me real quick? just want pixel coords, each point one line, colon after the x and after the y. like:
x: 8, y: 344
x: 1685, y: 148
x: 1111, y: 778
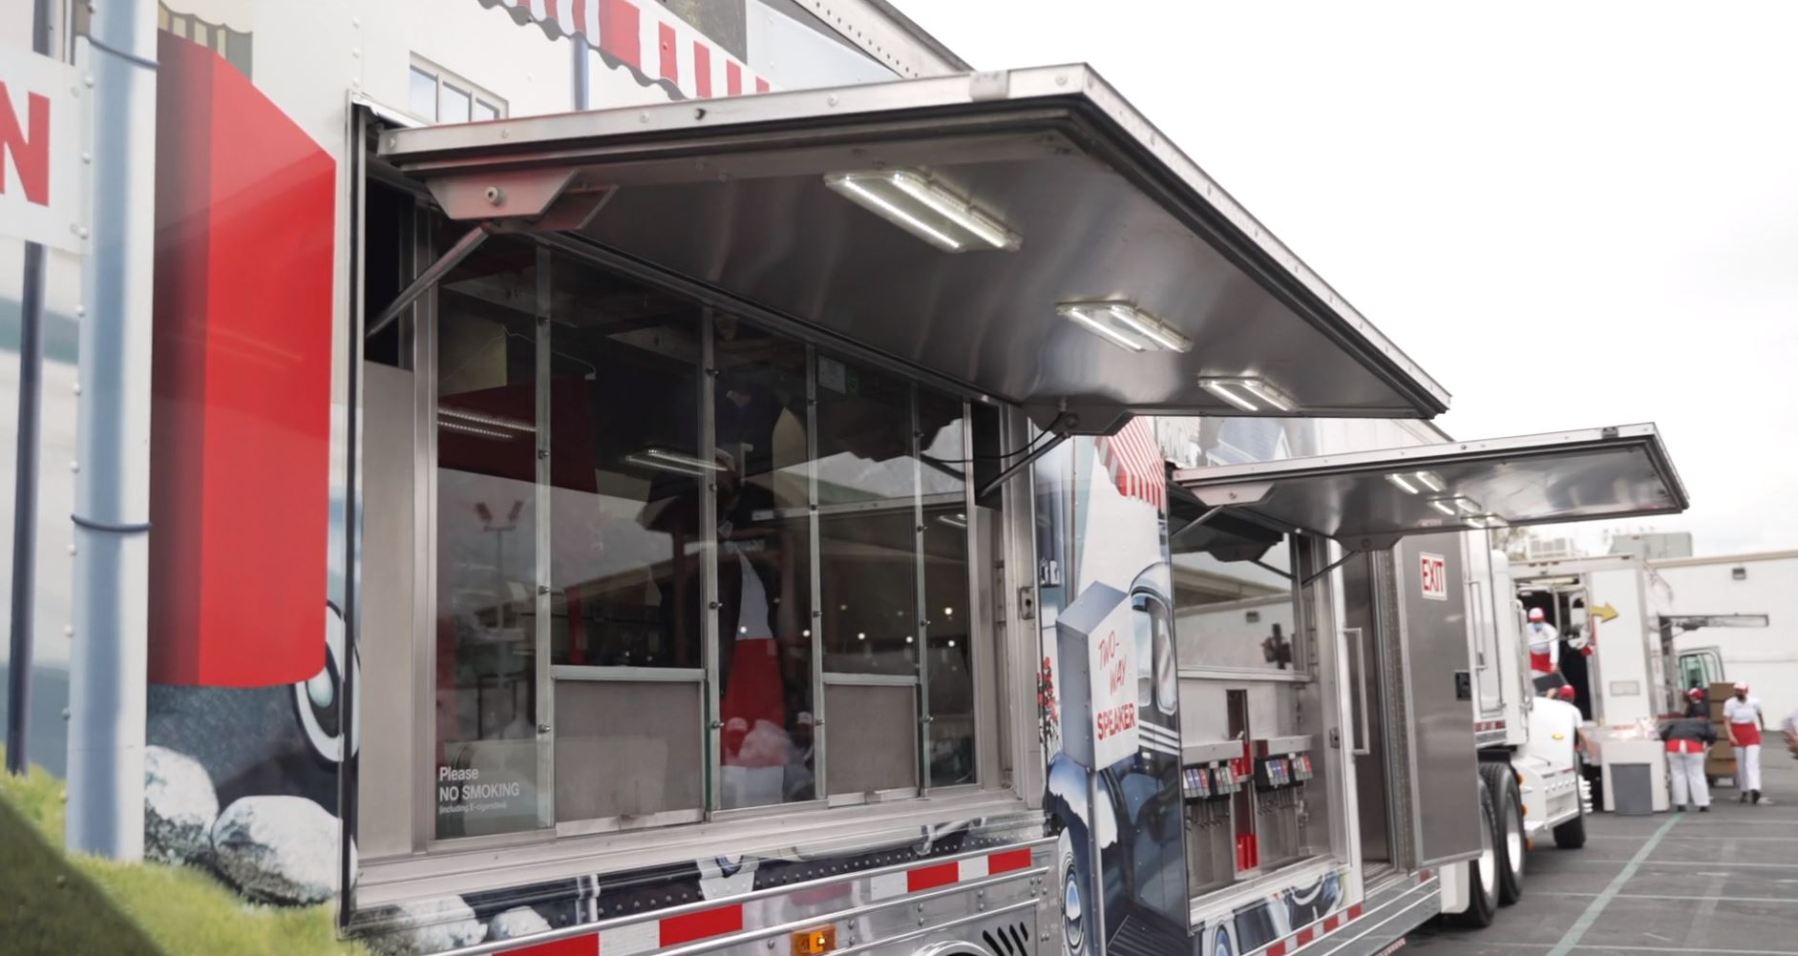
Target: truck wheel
x: 1507, y: 838
x: 1073, y: 908
x: 1482, y: 871
x: 1572, y: 834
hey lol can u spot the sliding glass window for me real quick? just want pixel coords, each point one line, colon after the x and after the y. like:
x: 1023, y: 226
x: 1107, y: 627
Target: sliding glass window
x: 684, y: 565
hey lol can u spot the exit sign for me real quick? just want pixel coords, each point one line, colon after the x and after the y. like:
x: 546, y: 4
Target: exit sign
x: 41, y: 186
x: 1433, y: 576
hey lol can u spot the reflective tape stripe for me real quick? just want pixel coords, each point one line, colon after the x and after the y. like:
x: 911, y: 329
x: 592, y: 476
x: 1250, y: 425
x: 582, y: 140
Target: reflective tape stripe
x: 654, y: 934
x: 1007, y: 861
x: 644, y: 937
x: 931, y: 877
x: 701, y: 925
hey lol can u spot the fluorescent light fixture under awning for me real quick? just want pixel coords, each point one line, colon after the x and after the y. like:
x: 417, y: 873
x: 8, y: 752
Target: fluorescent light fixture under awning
x: 1370, y: 499
x: 925, y: 209
x: 1125, y: 326
x: 744, y: 203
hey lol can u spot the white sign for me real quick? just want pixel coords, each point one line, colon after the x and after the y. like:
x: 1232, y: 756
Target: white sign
x: 1433, y: 577
x: 40, y: 150
x: 1112, y: 650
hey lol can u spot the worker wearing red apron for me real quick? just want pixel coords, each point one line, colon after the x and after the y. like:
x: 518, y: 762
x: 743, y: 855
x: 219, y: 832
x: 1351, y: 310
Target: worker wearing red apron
x: 1688, y: 740
x: 1545, y: 645
x: 1742, y: 717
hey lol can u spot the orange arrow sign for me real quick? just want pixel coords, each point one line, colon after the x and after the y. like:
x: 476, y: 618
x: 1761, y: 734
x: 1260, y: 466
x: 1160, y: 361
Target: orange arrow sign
x: 1605, y: 612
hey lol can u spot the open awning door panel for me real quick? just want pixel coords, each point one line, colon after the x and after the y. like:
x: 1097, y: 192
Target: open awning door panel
x: 978, y: 229
x: 1369, y: 500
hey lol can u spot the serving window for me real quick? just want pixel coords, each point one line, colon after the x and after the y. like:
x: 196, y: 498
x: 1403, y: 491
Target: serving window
x: 682, y: 565
x: 1246, y: 624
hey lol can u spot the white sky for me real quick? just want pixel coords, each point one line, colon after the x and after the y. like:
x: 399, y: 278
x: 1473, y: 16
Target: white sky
x: 1570, y: 214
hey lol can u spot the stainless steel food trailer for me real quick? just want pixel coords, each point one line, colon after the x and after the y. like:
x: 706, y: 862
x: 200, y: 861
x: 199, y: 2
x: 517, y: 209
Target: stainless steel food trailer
x: 959, y: 291
x: 1433, y: 718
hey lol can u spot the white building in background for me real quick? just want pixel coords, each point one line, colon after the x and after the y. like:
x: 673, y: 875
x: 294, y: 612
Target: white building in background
x: 1742, y: 584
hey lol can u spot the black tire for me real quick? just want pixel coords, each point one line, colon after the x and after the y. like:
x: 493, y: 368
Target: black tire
x: 1572, y: 834
x: 1482, y: 902
x: 1508, y: 833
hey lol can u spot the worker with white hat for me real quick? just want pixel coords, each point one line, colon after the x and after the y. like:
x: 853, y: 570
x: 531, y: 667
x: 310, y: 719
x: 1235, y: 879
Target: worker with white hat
x: 1742, y: 718
x: 1545, y: 644
x: 1688, y: 739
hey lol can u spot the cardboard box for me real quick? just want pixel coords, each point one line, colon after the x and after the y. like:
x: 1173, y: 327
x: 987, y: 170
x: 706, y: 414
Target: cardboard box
x: 1720, y: 761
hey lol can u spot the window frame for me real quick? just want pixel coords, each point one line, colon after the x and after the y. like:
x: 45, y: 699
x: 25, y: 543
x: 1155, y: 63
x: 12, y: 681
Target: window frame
x: 983, y: 659
x: 1304, y: 663
x: 478, y: 96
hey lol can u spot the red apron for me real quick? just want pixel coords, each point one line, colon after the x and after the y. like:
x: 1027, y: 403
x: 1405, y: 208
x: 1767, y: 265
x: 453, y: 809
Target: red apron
x: 1747, y: 735
x: 1540, y: 661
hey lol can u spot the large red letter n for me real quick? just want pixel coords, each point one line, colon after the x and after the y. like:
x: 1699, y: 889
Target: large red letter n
x: 31, y: 156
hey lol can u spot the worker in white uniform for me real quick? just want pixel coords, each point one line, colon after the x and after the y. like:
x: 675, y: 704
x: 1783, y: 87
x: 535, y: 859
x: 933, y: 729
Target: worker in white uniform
x: 1545, y: 644
x: 1688, y: 739
x: 1742, y: 718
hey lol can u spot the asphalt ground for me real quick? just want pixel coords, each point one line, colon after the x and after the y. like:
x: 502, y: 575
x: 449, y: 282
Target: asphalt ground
x: 1722, y: 882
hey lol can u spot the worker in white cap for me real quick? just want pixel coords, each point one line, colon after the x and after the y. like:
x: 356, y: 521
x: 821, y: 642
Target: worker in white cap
x: 1545, y: 644
x: 1742, y: 718
x: 1688, y: 739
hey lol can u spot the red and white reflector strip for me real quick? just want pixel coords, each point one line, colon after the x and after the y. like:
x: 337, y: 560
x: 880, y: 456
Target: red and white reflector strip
x: 1314, y: 931
x: 653, y: 934
x: 1484, y: 726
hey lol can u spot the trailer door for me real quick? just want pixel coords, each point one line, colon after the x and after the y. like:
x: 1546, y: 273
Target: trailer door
x: 1408, y: 508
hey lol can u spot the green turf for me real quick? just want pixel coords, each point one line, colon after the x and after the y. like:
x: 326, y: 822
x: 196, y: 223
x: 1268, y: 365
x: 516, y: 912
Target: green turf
x: 52, y: 902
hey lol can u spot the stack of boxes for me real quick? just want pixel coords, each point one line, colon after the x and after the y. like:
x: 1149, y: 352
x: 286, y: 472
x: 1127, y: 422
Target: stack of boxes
x: 1721, y: 761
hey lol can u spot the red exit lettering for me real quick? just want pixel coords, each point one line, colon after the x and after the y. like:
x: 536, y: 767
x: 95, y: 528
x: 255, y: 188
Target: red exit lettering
x: 1433, y: 576
x: 28, y: 147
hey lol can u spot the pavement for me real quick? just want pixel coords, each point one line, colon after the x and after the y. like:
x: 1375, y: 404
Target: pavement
x: 1722, y: 882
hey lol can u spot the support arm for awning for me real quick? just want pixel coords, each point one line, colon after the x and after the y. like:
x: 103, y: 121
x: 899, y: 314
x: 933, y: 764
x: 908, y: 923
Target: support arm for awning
x: 1055, y: 439
x: 433, y: 273
x: 1347, y: 553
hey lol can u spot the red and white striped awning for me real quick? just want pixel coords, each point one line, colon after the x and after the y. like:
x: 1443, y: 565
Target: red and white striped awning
x: 650, y: 40
x: 1134, y: 461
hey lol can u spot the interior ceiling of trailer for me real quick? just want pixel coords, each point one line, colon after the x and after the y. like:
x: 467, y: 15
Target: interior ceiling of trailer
x: 1520, y: 482
x: 746, y: 212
